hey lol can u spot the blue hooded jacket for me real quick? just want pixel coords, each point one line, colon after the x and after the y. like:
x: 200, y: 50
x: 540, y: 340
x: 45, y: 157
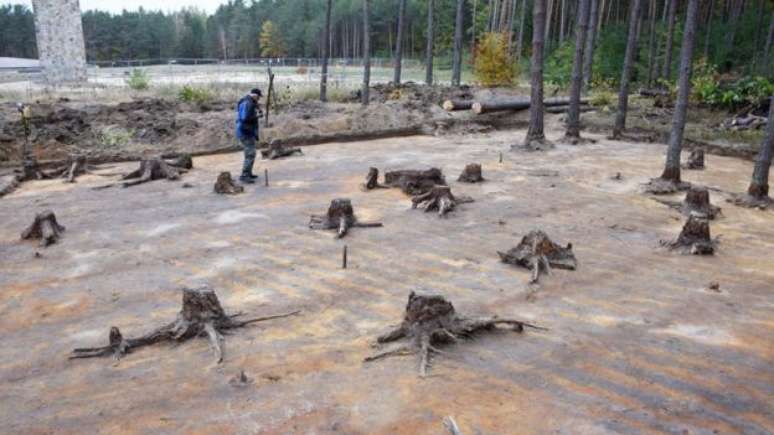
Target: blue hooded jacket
x: 247, y: 118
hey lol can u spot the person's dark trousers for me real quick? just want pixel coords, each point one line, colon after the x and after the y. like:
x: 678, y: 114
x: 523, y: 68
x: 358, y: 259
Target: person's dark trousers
x: 248, y: 143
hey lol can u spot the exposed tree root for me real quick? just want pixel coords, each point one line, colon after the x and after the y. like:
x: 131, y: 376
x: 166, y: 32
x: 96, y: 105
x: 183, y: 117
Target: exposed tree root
x: 225, y: 185
x: 9, y: 183
x: 277, y: 150
x: 534, y: 144
x: 578, y: 140
x: 697, y: 201
x: 431, y: 321
x: 471, y: 174
x: 694, y: 238
x: 153, y: 169
x: 662, y: 186
x: 439, y: 198
x: 200, y: 316
x: 74, y: 166
x: 340, y: 217
x: 695, y: 160
x: 372, y: 180
x: 747, y: 200
x: 44, y: 227
x: 414, y: 182
x: 539, y: 254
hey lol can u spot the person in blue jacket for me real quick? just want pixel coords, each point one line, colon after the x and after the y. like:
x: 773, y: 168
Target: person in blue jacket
x: 248, y: 113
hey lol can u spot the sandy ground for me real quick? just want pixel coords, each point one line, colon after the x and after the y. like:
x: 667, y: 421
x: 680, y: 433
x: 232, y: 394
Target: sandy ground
x: 636, y: 342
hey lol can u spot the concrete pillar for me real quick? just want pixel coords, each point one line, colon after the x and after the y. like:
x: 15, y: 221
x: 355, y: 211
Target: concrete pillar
x: 59, y: 32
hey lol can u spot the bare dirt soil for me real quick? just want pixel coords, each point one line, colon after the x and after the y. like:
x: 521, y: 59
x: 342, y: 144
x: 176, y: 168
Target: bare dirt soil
x: 638, y: 340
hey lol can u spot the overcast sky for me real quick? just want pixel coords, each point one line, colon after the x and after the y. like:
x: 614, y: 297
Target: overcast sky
x: 118, y: 5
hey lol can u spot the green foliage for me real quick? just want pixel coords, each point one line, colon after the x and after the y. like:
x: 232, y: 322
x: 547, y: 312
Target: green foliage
x: 493, y: 65
x: 271, y: 41
x: 709, y: 90
x: 197, y: 95
x: 558, y: 68
x: 602, y: 98
x: 112, y: 137
x: 138, y: 80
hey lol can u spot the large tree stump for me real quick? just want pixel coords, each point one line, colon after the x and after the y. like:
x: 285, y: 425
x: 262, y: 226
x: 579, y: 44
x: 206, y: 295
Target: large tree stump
x: 695, y: 160
x: 694, y: 238
x: 439, y: 198
x: 152, y: 169
x: 539, y: 254
x: 225, y: 185
x: 471, y: 174
x: 431, y: 321
x: 200, y: 316
x: 697, y: 201
x: 414, y: 182
x: 372, y: 180
x: 277, y: 150
x: 340, y: 217
x: 44, y: 227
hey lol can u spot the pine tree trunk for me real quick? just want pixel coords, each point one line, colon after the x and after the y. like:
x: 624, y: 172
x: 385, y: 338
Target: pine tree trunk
x: 535, y: 131
x: 511, y: 18
x: 666, y: 69
x: 759, y: 187
x: 473, y: 28
x: 733, y: 22
x: 767, y: 54
x: 631, y: 49
x: 522, y: 23
x: 672, y: 169
x: 562, y: 21
x: 325, y: 54
x: 457, y: 57
x: 708, y: 29
x: 652, y: 44
x: 429, y: 50
x: 573, y: 114
x: 366, y: 54
x: 588, y: 54
x: 399, y: 42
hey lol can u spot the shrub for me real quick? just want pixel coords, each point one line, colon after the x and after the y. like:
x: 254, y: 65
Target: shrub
x: 558, y: 69
x: 746, y: 91
x: 493, y: 65
x: 138, y: 80
x: 193, y: 94
x: 115, y: 136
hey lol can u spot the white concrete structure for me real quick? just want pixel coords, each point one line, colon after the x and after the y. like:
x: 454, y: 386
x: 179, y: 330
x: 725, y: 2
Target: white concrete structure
x: 61, y: 48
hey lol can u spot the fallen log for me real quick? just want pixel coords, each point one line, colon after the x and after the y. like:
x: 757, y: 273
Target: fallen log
x: 480, y: 107
x: 453, y: 105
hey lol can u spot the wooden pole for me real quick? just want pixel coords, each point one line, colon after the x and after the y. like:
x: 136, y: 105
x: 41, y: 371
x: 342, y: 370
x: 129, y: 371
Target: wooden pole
x: 344, y: 257
x: 266, y: 177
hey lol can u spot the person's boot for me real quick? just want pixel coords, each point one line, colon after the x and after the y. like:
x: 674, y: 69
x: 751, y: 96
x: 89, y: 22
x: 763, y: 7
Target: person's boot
x: 251, y: 175
x: 247, y: 179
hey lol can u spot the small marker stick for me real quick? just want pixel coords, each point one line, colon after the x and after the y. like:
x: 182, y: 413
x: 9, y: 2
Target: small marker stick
x: 501, y: 156
x: 344, y: 258
x: 266, y: 177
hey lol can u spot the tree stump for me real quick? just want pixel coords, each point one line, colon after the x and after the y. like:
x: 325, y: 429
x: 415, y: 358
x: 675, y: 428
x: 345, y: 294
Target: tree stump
x: 695, y: 160
x: 414, y: 182
x: 471, y: 174
x: 697, y: 201
x: 431, y: 321
x: 153, y: 169
x: 743, y: 200
x: 372, y: 180
x: 45, y: 227
x: 277, y: 150
x: 539, y: 254
x: 340, y: 217
x: 663, y: 186
x: 694, y: 238
x: 439, y: 198
x: 225, y: 185
x: 200, y: 316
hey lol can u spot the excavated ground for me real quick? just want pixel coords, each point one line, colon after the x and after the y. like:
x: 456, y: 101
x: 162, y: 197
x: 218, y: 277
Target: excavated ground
x: 637, y: 343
